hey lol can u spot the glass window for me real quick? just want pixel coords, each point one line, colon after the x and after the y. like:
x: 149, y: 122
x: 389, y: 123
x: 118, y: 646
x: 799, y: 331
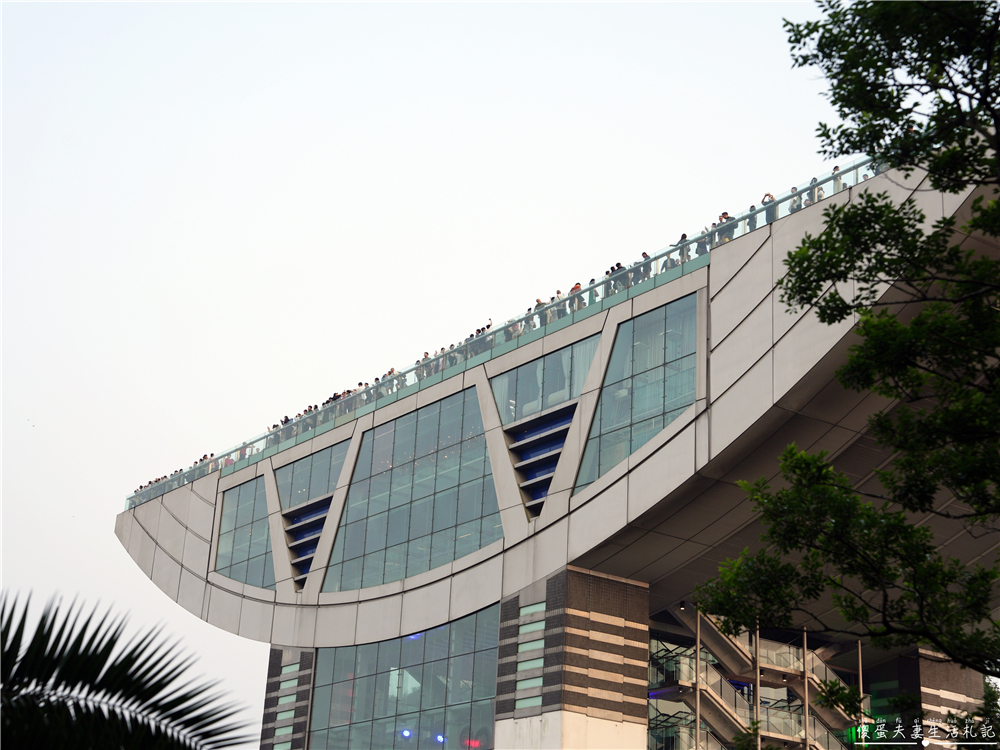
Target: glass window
x: 650, y: 380
x: 427, y: 486
x: 436, y: 685
x: 545, y: 382
x: 310, y: 477
x: 244, y: 539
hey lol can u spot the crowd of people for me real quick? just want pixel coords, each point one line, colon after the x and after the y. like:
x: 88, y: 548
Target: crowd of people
x: 616, y: 278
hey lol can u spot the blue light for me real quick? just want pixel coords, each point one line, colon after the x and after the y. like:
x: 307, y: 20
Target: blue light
x: 406, y: 732
x: 440, y: 738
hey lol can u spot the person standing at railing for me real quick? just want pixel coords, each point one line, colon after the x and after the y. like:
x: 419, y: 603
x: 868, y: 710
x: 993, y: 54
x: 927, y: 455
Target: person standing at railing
x: 796, y: 202
x: 702, y: 245
x: 838, y: 181
x: 770, y: 209
x: 752, y: 219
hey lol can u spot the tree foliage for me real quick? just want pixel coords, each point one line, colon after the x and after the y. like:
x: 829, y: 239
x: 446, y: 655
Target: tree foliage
x: 73, y: 683
x: 917, y: 85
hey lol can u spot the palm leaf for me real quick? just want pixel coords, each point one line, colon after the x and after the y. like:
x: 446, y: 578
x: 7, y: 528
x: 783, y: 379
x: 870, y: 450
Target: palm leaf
x: 73, y: 684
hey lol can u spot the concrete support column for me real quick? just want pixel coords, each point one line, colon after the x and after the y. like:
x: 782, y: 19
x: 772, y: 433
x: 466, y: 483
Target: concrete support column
x: 591, y: 656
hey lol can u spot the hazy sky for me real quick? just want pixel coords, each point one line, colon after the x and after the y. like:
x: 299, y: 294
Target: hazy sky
x: 216, y: 214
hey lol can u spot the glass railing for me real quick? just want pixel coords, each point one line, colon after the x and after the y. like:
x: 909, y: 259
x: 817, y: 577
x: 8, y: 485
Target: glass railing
x: 780, y: 655
x: 719, y: 685
x: 649, y: 271
x: 823, y: 672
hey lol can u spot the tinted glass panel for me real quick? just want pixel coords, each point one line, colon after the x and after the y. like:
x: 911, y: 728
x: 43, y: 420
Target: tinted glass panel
x: 416, y: 499
x: 649, y: 382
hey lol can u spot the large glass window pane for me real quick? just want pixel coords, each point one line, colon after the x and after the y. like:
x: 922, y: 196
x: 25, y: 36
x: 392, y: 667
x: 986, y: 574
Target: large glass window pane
x: 354, y: 540
x: 555, y: 378
x: 350, y: 576
x: 388, y: 655
x: 473, y: 457
x: 583, y: 355
x: 338, y: 737
x: 321, y: 707
x: 383, y: 734
x: 431, y: 729
x: 225, y: 556
x: 482, y: 722
x: 411, y: 682
x: 258, y: 537
x: 395, y: 563
x: 485, y: 674
x: 300, y: 481
x: 340, y: 703
x: 363, y: 467
x: 472, y: 421
x: 364, y: 698
x: 614, y: 448
x: 490, y: 504
x: 460, y: 679
x: 647, y: 351
x: 373, y: 569
x: 255, y: 571
x: 450, y: 430
x: 463, y: 636
x: 445, y: 508
x: 402, y: 485
x: 325, y: 658
x: 357, y: 501
x: 644, y: 431
x: 375, y: 534
x: 437, y: 640
x: 366, y: 661
x: 434, y: 691
x: 378, y: 493
x: 421, y: 516
x: 467, y: 538
x: 406, y: 434
x: 427, y: 429
x: 244, y: 512
x: 343, y: 668
x: 456, y: 727
x: 647, y: 397
x: 399, y: 525
x: 505, y: 394
x: 361, y: 736
x: 283, y: 477
x: 320, y: 475
x: 332, y: 581
x: 620, y: 366
x: 448, y: 461
x: 260, y: 500
x: 492, y: 530
x: 442, y: 547
x: 418, y: 556
x: 411, y: 649
x: 241, y: 544
x: 470, y: 501
x: 488, y: 627
x: 529, y: 389
x: 382, y: 445
x: 616, y: 405
x: 590, y: 464
x: 385, y: 694
x: 424, y: 470
x: 230, y: 503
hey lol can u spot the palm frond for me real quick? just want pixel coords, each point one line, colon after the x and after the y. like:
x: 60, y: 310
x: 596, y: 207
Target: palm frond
x: 74, y: 684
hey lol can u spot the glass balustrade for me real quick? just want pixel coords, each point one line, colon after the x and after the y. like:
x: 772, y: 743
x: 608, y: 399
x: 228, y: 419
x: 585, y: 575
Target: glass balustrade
x: 651, y: 270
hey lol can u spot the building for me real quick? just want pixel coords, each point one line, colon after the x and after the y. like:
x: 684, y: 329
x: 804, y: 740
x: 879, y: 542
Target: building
x: 495, y: 548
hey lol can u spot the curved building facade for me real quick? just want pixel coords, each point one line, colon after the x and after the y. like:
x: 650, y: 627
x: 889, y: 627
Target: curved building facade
x: 494, y: 550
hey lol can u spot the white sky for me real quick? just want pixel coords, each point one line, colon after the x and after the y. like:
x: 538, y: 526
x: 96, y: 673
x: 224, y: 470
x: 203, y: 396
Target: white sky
x: 216, y: 214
